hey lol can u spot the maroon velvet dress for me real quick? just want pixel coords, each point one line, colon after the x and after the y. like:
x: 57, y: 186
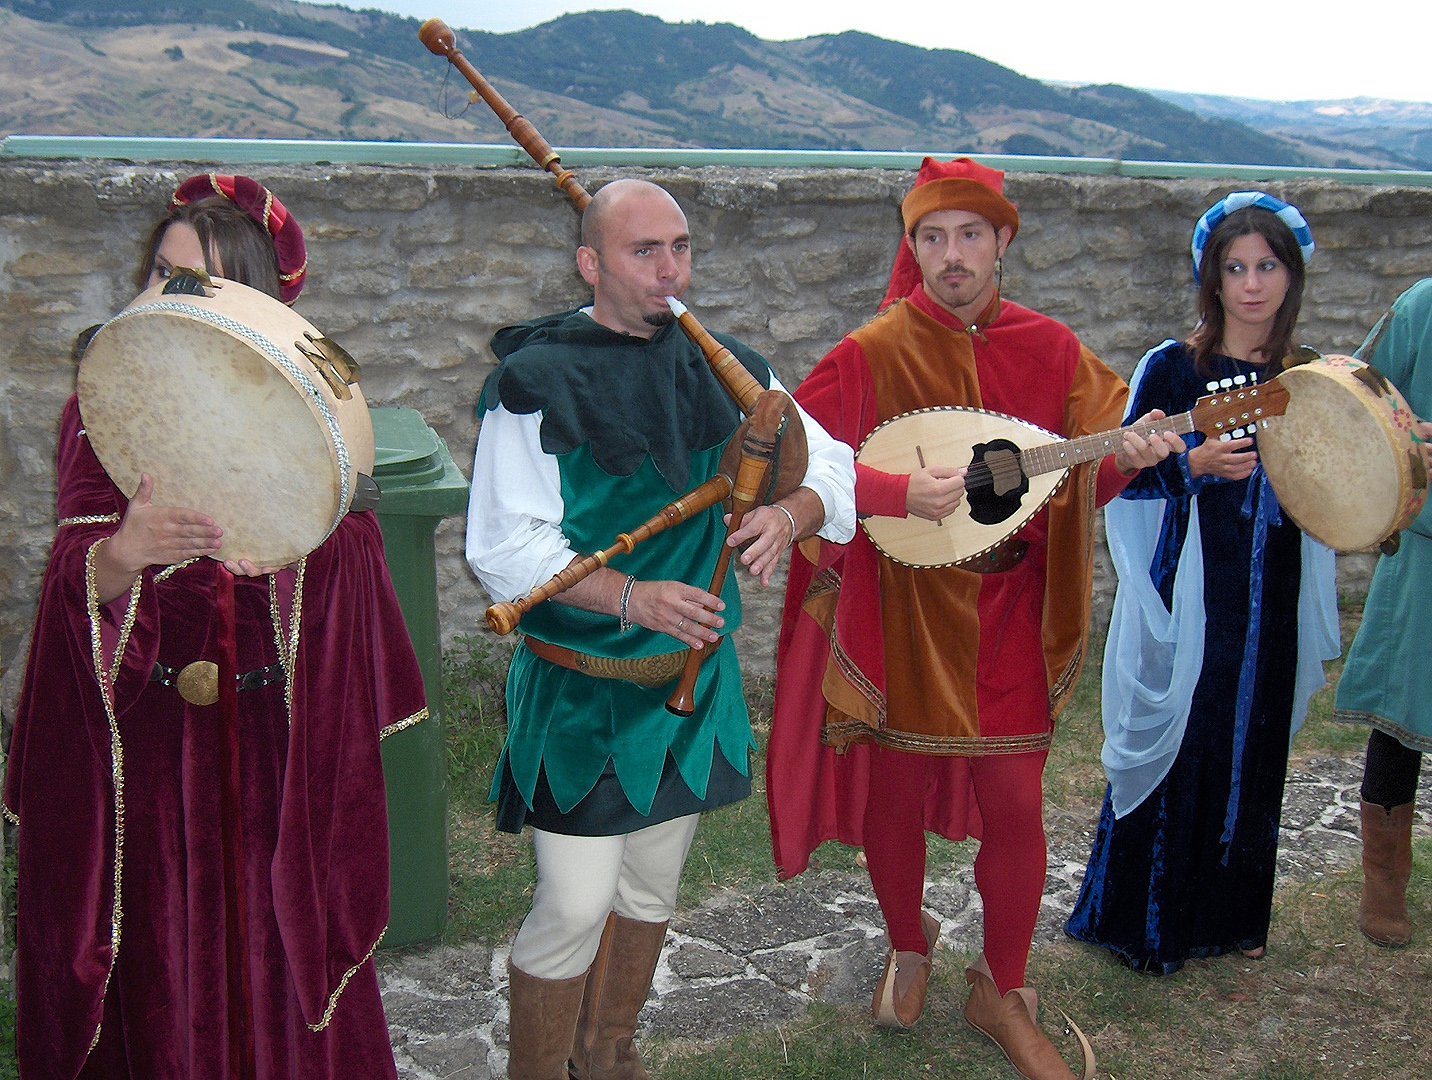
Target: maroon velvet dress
x: 114, y: 778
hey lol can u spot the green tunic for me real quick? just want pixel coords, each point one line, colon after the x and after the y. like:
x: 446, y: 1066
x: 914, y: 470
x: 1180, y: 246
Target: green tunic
x: 632, y: 423
x: 1384, y: 682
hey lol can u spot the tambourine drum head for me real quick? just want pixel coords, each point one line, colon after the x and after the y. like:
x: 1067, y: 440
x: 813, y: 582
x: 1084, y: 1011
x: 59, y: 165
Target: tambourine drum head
x: 1338, y: 458
x: 220, y: 427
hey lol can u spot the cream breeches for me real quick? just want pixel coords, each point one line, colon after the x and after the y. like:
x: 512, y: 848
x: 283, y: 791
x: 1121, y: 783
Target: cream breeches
x: 581, y: 879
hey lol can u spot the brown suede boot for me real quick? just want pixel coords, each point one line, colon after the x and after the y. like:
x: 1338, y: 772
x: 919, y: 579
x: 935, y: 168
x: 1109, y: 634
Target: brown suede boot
x: 617, y: 985
x: 1386, y: 866
x: 542, y: 1016
x: 1010, y: 1022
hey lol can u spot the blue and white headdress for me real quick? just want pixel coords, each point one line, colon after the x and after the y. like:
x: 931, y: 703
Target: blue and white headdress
x: 1286, y: 212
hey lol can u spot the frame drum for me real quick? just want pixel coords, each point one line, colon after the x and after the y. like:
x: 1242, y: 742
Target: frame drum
x: 1341, y: 459
x: 214, y: 397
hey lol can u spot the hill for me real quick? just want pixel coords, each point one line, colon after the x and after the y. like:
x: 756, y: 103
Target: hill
x: 272, y: 68
x: 1398, y: 130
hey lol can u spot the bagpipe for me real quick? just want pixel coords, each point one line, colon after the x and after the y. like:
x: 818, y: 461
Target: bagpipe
x: 765, y: 459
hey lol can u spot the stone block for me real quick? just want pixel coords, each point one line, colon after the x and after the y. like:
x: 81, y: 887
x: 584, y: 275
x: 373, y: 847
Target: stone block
x: 717, y: 1012
x: 848, y: 975
x: 699, y: 962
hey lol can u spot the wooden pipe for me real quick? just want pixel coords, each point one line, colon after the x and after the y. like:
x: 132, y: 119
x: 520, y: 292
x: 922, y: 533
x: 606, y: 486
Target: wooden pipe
x: 792, y: 453
x: 757, y: 449
x: 504, y: 617
x: 440, y: 39
x: 743, y: 387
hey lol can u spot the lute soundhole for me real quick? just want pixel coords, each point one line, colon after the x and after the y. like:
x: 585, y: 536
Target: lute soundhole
x: 995, y: 484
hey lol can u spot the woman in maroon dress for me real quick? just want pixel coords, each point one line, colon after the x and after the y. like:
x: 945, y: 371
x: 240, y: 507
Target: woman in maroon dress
x: 127, y: 956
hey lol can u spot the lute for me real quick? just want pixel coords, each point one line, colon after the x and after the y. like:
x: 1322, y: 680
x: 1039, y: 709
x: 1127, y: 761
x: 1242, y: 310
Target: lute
x: 1015, y: 467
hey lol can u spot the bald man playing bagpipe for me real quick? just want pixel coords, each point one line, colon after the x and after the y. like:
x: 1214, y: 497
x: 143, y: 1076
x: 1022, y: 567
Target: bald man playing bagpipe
x: 593, y: 421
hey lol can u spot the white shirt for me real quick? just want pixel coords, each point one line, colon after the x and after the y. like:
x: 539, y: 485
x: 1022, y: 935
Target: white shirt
x: 515, y: 510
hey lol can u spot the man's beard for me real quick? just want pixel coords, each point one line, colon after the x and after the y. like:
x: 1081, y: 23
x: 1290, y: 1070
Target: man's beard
x: 659, y: 318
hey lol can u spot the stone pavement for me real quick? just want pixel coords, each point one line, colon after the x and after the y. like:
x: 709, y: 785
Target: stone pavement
x: 748, y: 959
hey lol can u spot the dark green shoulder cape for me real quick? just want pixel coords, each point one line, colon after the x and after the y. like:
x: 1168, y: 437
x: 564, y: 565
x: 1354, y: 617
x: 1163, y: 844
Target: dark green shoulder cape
x: 628, y: 397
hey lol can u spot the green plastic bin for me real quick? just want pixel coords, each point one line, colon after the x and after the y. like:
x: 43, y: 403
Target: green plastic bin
x: 420, y: 486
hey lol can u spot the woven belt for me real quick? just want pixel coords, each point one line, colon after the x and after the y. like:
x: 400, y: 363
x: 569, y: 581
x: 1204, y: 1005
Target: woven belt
x: 198, y: 683
x: 652, y: 671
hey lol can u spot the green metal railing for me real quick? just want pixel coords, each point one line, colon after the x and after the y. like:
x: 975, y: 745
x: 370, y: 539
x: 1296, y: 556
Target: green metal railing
x: 303, y: 151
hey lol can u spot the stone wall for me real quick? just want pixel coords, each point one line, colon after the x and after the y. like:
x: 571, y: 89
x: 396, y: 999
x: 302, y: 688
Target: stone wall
x: 413, y: 268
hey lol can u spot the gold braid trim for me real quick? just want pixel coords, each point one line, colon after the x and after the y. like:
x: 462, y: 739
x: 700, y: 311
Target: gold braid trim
x: 856, y: 678
x: 962, y: 745
x: 90, y: 519
x: 286, y: 640
x: 825, y: 583
x: 10, y: 815
x: 417, y: 717
x: 343, y: 985
x: 1406, y: 736
x: 822, y: 582
x: 840, y: 733
x: 116, y: 746
x: 172, y: 569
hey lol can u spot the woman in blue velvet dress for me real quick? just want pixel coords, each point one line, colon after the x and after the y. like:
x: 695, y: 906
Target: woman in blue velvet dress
x: 1224, y: 613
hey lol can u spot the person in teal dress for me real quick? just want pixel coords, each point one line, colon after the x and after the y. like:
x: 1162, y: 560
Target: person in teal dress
x: 1384, y: 682
x: 592, y: 422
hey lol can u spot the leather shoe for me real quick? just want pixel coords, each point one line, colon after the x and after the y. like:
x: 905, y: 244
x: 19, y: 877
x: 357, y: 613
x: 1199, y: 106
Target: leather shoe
x: 1011, y: 1022
x: 900, y: 994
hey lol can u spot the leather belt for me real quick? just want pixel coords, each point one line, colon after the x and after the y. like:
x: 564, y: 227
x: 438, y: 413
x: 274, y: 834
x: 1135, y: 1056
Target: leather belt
x: 649, y: 671
x: 198, y: 683
x: 1005, y: 555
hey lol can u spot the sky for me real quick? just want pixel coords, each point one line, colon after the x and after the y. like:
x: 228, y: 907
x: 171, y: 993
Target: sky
x: 1328, y: 49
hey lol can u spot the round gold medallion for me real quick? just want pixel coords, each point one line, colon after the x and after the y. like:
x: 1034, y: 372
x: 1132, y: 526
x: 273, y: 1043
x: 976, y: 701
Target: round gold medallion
x: 198, y: 683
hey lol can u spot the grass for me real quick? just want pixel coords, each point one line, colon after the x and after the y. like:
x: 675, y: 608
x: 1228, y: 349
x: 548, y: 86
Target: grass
x: 1324, y: 1003
x: 490, y: 873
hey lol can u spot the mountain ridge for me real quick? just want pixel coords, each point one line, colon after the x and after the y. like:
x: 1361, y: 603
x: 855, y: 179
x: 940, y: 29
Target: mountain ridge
x: 279, y: 69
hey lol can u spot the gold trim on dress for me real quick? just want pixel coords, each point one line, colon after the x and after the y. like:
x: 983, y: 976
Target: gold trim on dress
x: 417, y: 717
x: 90, y: 519
x: 169, y: 571
x: 287, y: 642
x: 343, y: 985
x: 10, y: 815
x: 106, y: 679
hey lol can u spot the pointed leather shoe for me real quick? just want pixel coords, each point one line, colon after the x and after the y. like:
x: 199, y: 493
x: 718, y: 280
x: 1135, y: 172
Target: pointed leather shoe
x: 1010, y: 1022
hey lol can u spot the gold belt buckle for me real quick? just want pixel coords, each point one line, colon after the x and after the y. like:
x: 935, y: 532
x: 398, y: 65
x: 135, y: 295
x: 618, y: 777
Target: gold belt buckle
x: 198, y: 683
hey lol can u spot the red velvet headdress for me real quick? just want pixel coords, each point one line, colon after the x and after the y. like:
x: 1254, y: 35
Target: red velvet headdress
x: 261, y: 205
x: 961, y: 184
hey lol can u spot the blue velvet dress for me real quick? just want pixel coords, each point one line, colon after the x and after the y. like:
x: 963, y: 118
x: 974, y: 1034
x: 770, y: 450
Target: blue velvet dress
x: 1189, y: 871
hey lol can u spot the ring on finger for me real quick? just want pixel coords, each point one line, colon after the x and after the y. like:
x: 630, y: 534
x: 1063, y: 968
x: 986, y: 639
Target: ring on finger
x: 680, y: 624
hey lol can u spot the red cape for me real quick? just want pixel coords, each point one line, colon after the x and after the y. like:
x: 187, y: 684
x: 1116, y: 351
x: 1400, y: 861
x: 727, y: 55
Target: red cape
x: 815, y: 793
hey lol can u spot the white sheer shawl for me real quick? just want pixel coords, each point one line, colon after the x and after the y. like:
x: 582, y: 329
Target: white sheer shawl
x: 1153, y: 657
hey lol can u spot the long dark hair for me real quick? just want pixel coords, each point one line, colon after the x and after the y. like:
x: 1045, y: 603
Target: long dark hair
x: 244, y: 246
x: 1207, y: 336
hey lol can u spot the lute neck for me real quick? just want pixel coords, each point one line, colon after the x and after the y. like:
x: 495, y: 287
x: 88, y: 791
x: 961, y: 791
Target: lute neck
x: 1071, y: 452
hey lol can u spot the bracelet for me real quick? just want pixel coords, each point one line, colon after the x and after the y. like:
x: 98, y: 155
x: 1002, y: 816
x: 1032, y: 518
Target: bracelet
x: 624, y: 623
x: 789, y: 517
